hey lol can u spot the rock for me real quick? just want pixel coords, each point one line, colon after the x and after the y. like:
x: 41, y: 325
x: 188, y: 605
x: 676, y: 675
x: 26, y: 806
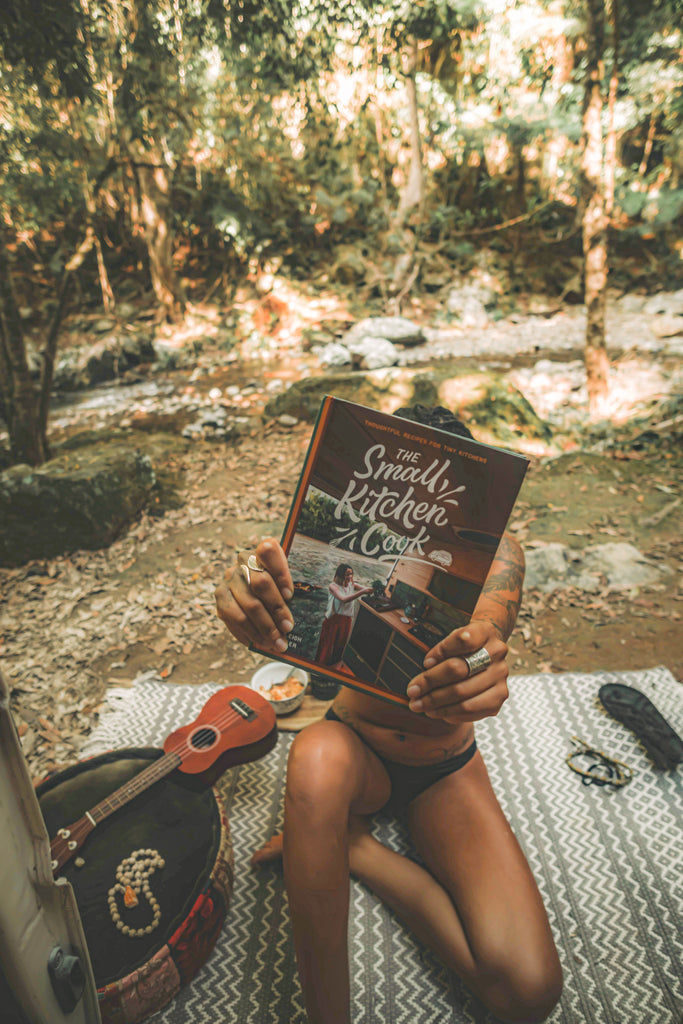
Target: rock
x: 495, y: 411
x: 667, y: 303
x: 81, y: 499
x: 378, y: 389
x: 618, y: 565
x: 103, y: 326
x: 546, y: 567
x: 216, y: 424
x: 106, y: 360
x: 667, y: 326
x: 470, y: 303
x: 287, y: 421
x: 631, y: 303
x: 622, y: 565
x: 368, y: 353
x: 334, y: 355
x: 554, y: 566
x: 396, y: 329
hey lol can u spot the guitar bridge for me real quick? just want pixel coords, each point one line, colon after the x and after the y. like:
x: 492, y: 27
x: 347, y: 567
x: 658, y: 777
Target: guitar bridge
x: 242, y: 709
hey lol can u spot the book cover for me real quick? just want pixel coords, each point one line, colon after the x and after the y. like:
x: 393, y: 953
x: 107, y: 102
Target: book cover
x: 391, y: 534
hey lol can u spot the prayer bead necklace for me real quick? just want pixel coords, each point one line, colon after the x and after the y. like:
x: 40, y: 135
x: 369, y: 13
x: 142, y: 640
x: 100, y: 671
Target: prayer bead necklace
x: 132, y: 879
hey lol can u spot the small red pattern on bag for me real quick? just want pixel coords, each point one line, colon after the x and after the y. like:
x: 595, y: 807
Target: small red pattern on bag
x: 197, y: 935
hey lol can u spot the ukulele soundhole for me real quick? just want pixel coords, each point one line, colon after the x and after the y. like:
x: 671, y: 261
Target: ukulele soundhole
x: 204, y: 738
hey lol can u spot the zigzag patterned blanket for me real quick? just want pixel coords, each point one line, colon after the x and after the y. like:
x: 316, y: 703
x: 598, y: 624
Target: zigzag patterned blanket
x: 609, y: 864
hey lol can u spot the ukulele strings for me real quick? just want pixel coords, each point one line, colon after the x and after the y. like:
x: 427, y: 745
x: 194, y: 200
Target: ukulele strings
x: 162, y: 765
x: 157, y: 770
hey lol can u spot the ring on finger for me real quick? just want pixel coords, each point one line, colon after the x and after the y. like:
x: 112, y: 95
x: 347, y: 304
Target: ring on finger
x: 251, y: 565
x: 477, y: 662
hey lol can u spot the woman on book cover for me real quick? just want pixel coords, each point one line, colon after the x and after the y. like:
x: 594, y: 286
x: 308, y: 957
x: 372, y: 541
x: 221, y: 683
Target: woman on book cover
x: 336, y: 627
x: 472, y: 899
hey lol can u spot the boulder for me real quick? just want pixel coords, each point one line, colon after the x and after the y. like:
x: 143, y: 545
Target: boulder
x: 665, y: 303
x: 667, y: 326
x: 334, y: 355
x: 470, y: 304
x: 106, y: 360
x: 496, y: 412
x: 379, y: 389
x: 623, y: 566
x: 613, y: 566
x: 82, y: 499
x: 368, y: 353
x: 396, y: 329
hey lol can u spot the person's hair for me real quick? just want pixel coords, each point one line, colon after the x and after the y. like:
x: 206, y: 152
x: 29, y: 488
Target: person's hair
x: 341, y: 572
x: 434, y: 416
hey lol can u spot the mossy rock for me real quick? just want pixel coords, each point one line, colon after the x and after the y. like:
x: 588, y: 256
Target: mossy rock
x: 495, y: 411
x: 82, y: 499
x: 378, y: 389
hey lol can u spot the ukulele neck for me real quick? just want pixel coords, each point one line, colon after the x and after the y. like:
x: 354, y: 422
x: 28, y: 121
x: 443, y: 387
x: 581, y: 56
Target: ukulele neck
x: 138, y: 784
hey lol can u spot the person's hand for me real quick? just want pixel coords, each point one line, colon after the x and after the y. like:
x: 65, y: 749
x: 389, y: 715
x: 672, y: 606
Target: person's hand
x: 446, y: 689
x: 257, y: 612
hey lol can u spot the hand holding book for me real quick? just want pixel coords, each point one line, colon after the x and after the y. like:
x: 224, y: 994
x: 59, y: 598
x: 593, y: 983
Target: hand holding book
x: 448, y: 691
x: 256, y: 612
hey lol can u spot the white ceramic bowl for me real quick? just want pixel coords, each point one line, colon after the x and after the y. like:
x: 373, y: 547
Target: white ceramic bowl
x: 277, y: 672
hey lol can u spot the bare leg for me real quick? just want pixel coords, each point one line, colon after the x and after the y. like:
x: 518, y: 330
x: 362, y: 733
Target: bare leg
x: 331, y: 774
x: 478, y: 907
x: 479, y: 910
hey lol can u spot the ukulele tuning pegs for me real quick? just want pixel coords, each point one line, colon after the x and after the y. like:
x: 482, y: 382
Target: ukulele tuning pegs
x: 64, y: 833
x: 79, y: 862
x: 73, y: 845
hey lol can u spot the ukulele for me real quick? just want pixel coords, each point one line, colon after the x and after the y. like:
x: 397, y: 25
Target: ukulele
x: 235, y: 726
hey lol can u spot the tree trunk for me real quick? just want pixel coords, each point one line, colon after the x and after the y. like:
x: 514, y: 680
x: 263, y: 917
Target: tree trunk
x: 26, y: 404
x: 155, y: 214
x: 611, y: 142
x: 20, y: 395
x: 413, y: 193
x: 594, y: 220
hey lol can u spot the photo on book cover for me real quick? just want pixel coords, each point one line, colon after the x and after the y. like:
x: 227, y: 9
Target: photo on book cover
x: 391, y: 535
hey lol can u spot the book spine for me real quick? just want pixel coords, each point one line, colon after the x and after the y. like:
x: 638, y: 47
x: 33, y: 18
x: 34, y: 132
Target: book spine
x: 309, y: 462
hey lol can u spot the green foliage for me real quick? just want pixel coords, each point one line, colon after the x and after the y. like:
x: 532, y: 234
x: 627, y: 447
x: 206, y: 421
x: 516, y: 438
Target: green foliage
x: 280, y: 129
x: 46, y: 38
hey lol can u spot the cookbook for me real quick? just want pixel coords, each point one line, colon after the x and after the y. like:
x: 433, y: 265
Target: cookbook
x: 390, y: 537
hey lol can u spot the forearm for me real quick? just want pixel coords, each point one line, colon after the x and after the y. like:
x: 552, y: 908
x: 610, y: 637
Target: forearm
x: 501, y: 595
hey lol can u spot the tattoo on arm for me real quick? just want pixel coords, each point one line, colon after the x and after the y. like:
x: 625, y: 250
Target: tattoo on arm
x: 501, y: 595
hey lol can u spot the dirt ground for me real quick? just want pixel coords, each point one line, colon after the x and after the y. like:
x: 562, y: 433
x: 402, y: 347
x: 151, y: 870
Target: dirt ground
x: 73, y: 626
x: 578, y: 500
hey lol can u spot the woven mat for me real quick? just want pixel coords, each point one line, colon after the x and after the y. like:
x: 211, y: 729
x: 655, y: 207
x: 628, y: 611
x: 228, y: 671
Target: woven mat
x: 609, y: 864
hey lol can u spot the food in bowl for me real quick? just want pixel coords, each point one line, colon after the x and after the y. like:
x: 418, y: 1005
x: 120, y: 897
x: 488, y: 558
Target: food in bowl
x: 283, y: 687
x: 289, y: 687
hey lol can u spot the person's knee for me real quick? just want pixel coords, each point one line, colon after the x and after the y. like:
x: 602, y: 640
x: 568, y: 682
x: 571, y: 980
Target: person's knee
x: 321, y: 770
x: 526, y: 995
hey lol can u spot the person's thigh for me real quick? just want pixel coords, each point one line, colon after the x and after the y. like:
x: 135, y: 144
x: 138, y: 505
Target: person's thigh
x: 460, y: 831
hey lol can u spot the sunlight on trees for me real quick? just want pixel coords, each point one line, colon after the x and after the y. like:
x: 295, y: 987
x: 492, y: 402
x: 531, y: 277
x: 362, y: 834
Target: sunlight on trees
x: 147, y: 145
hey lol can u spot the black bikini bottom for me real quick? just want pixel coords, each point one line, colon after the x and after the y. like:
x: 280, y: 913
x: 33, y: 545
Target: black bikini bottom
x: 409, y: 780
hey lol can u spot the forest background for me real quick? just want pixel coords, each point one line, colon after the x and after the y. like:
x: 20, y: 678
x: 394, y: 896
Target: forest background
x: 192, y: 144
x: 240, y: 181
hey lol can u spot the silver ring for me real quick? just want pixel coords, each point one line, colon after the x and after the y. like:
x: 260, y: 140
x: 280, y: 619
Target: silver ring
x: 477, y: 662
x: 251, y: 565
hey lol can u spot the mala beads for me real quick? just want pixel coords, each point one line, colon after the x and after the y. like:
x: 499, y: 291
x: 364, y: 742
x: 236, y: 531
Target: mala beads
x: 132, y: 879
